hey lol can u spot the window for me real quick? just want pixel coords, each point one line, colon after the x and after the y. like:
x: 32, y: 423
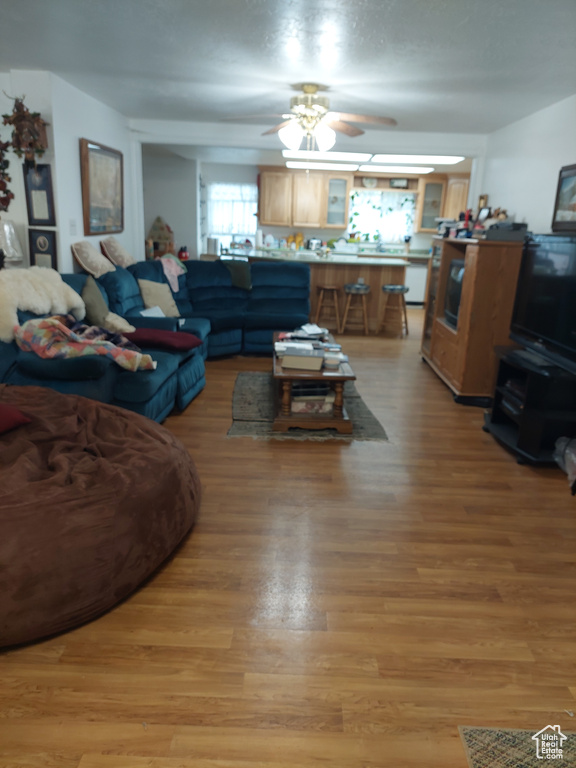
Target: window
x: 232, y: 211
x: 382, y: 215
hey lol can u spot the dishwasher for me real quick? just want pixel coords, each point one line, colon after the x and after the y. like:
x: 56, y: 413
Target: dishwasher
x: 416, y: 274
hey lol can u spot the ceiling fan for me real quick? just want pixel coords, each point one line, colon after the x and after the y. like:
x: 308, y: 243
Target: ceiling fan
x: 310, y: 117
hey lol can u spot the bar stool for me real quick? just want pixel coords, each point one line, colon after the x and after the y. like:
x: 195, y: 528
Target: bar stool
x: 394, y: 302
x: 332, y: 294
x: 358, y: 291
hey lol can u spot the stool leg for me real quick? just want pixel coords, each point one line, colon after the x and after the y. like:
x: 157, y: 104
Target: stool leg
x: 365, y: 314
x: 346, y: 310
x: 405, y: 313
x: 319, y: 306
x: 337, y: 311
x: 383, y: 316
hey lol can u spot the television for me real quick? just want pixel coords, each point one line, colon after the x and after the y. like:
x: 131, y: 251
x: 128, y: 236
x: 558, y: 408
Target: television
x: 453, y: 292
x: 544, y: 315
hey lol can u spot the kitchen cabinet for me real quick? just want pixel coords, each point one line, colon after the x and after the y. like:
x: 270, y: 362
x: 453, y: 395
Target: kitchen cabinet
x: 308, y: 199
x: 430, y: 205
x: 275, y: 199
x: 456, y: 197
x: 315, y: 200
x: 463, y: 355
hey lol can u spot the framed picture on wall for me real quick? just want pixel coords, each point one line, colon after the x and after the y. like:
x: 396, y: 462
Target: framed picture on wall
x: 39, y: 196
x: 564, y: 218
x: 102, y: 188
x: 42, y: 244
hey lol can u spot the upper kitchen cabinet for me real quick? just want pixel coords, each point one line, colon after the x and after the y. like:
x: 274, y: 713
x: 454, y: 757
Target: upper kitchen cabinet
x: 275, y: 199
x: 298, y: 199
x: 307, y: 199
x: 431, y: 193
x: 456, y: 196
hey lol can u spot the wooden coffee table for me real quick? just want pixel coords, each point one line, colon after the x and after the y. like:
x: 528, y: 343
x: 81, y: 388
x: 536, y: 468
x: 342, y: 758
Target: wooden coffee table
x: 285, y: 377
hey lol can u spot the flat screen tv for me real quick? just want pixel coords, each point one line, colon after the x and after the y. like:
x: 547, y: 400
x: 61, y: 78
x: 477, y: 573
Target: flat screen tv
x: 453, y: 292
x: 544, y: 316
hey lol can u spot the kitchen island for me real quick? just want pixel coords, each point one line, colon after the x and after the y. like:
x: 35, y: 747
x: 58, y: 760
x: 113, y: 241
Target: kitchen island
x: 338, y: 269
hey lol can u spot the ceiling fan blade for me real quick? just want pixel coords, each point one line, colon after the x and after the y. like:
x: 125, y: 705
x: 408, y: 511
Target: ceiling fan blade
x: 342, y: 127
x: 276, y: 128
x: 361, y: 118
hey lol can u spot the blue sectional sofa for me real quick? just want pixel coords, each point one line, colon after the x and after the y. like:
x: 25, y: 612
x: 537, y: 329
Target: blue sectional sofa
x: 228, y: 318
x: 231, y: 319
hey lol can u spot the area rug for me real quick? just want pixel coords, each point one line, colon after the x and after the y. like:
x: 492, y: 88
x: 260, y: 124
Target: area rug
x: 253, y: 413
x: 508, y: 748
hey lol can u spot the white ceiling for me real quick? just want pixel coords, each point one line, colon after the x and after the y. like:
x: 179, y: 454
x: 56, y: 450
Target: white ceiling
x: 459, y: 66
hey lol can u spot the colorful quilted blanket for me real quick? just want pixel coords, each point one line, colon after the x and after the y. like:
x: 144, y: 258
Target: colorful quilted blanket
x: 62, y: 336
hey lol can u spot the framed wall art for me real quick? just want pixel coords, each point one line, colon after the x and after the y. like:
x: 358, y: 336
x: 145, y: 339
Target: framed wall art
x: 564, y: 218
x: 102, y: 188
x: 43, y: 248
x: 39, y: 196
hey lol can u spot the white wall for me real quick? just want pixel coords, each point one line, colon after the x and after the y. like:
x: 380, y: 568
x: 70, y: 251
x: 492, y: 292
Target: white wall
x: 170, y: 191
x: 523, y: 161
x: 72, y: 115
x: 76, y: 115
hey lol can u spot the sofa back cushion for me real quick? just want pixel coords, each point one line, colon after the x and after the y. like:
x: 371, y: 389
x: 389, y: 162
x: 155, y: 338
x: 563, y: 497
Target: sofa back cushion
x: 280, y: 288
x: 153, y: 271
x: 210, y: 288
x: 123, y: 292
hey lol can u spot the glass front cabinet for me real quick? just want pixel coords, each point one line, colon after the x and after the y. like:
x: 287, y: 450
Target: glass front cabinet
x: 431, y: 193
x: 337, y: 199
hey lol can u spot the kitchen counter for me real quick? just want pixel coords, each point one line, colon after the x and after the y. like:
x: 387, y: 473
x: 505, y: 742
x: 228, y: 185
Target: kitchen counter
x: 338, y: 269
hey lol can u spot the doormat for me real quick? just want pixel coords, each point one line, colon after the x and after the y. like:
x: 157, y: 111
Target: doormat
x: 509, y: 748
x: 253, y: 413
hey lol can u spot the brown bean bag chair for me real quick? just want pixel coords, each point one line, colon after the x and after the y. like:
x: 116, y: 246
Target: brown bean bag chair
x: 93, y: 498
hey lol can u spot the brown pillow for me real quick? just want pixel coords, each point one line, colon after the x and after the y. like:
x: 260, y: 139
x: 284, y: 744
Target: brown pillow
x: 158, y: 295
x: 90, y: 260
x: 117, y: 254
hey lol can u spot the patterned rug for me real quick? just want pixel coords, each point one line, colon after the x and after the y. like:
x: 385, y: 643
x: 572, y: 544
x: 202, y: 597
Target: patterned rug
x: 253, y: 414
x: 507, y: 748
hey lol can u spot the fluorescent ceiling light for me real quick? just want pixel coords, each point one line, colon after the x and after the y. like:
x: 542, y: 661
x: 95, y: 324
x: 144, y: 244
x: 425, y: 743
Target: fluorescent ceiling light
x: 440, y: 159
x: 307, y: 154
x: 322, y: 166
x: 395, y: 169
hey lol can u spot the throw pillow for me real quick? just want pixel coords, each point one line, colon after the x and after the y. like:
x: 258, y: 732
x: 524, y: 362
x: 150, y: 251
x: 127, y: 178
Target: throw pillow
x: 116, y: 324
x: 117, y: 254
x: 90, y: 260
x: 11, y: 417
x: 156, y: 337
x: 96, y: 307
x: 158, y: 295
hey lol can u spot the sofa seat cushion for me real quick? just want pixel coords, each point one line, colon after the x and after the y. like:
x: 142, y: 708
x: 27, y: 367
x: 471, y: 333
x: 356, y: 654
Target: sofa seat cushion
x: 199, y: 326
x: 71, y: 369
x: 278, y: 321
x: 223, y: 320
x: 140, y: 386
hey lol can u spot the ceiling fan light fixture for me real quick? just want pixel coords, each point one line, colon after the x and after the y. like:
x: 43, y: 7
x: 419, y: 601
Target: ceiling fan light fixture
x: 324, y: 137
x: 396, y: 169
x: 439, y: 159
x: 291, y: 135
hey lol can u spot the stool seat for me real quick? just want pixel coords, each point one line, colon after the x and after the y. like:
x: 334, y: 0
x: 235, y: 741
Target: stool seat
x: 395, y: 288
x: 399, y: 291
x: 361, y: 290
x: 357, y: 288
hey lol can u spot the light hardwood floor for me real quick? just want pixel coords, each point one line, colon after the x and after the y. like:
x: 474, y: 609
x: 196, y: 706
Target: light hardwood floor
x: 338, y: 604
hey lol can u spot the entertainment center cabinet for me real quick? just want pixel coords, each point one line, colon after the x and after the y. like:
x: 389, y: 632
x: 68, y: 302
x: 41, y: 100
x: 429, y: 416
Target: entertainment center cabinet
x: 534, y: 405
x: 463, y: 355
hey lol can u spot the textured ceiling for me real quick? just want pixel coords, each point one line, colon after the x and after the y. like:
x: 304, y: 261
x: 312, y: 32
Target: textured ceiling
x: 433, y: 65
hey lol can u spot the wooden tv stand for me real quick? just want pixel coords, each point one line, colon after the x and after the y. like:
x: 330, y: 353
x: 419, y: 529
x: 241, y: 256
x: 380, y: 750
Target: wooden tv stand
x: 464, y: 357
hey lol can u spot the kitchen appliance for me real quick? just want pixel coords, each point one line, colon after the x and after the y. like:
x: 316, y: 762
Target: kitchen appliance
x: 314, y: 243
x: 212, y: 246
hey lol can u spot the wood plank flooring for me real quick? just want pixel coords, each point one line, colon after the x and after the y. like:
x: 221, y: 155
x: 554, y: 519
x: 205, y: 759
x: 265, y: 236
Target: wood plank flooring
x: 338, y: 604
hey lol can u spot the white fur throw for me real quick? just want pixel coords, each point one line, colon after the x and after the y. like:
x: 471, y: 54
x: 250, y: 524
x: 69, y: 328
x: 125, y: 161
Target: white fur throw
x: 39, y: 290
